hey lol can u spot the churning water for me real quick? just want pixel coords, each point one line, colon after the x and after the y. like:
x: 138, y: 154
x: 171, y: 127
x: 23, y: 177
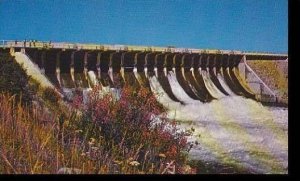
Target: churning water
x: 178, y: 90
x: 231, y: 130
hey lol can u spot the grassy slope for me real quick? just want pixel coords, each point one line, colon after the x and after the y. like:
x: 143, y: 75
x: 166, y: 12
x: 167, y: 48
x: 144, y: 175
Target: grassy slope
x: 274, y: 74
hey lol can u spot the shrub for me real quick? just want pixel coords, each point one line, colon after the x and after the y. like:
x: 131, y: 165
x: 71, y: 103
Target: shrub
x: 13, y: 79
x: 50, y: 95
x: 134, y: 127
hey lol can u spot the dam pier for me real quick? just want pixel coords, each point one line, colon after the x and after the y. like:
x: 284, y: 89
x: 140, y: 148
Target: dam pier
x: 74, y: 65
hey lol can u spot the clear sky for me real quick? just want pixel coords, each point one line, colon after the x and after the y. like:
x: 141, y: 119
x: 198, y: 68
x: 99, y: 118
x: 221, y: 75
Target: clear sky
x: 247, y: 25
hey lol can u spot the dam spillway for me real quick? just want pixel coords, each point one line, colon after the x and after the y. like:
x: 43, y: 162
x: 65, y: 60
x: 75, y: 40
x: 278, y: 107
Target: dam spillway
x: 196, y: 71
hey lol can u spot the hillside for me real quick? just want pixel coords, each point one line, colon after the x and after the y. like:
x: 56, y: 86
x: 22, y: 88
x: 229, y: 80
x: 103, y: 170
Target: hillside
x: 274, y: 74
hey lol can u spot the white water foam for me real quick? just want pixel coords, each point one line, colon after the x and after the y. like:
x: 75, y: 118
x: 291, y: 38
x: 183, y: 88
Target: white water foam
x: 161, y: 95
x: 215, y: 92
x: 234, y: 130
x: 178, y: 90
x: 224, y: 85
x: 93, y: 78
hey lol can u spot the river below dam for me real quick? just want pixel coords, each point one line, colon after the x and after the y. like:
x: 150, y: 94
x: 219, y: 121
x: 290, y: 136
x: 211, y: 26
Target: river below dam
x: 257, y: 144
x: 232, y: 131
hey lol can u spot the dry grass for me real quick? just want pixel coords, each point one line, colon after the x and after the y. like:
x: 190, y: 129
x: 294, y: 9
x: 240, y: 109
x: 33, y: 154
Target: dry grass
x: 274, y: 74
x: 34, y: 140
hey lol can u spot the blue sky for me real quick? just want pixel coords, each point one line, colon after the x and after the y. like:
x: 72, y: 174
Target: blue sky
x: 247, y: 25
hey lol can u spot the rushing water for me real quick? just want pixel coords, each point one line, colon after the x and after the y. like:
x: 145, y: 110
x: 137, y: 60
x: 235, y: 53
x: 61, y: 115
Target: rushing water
x: 224, y: 85
x: 257, y: 142
x: 178, y: 90
x: 215, y: 92
x: 231, y: 130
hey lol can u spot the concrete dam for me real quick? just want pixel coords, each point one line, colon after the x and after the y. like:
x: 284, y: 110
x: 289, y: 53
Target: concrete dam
x: 215, y: 92
x: 202, y: 74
